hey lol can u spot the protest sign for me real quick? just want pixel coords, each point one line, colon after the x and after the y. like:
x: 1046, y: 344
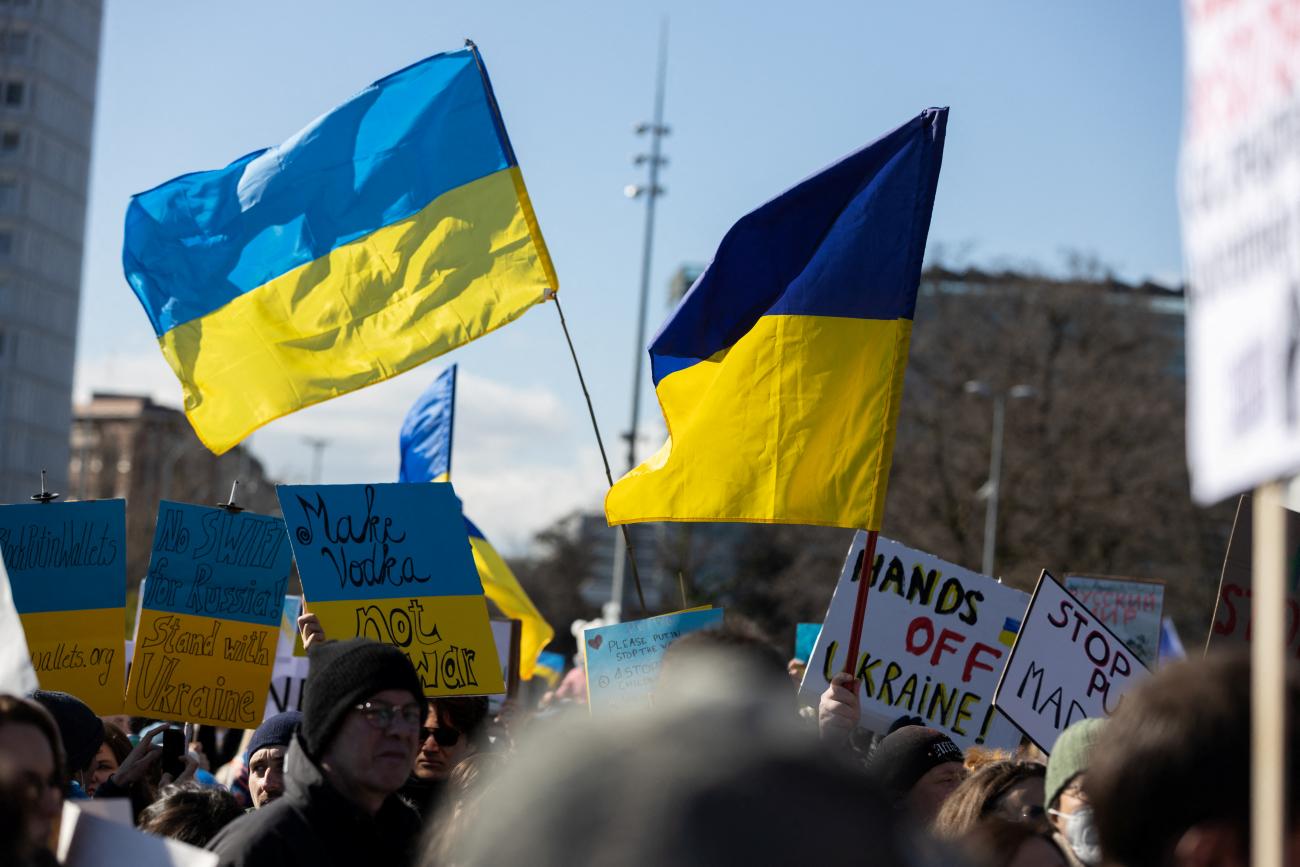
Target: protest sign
x: 1232, y: 608
x: 289, y: 675
x: 623, y: 658
x: 1238, y: 188
x: 1065, y: 665
x: 67, y: 568
x: 805, y: 637
x: 1131, y: 607
x: 209, y: 617
x: 506, y: 635
x: 17, y: 677
x: 89, y: 840
x: 934, y: 640
x: 392, y: 562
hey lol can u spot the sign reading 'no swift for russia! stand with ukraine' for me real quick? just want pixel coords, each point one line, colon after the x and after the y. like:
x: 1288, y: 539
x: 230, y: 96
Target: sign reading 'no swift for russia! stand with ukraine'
x: 67, y: 567
x: 391, y: 562
x: 210, y: 617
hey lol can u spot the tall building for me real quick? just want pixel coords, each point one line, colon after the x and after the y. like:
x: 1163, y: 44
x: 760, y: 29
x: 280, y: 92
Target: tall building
x: 49, y: 61
x: 127, y: 446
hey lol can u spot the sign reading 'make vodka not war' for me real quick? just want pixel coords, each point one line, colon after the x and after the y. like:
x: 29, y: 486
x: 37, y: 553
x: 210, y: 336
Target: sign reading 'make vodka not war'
x: 392, y: 562
x: 210, y: 617
x: 67, y: 568
x: 934, y: 641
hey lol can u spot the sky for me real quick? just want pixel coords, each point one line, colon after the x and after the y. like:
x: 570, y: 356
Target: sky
x: 1063, y: 135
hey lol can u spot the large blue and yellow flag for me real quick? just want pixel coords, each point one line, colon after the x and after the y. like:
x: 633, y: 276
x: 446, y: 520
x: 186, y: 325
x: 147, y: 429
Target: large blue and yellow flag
x: 387, y: 232
x: 425, y: 445
x: 780, y: 373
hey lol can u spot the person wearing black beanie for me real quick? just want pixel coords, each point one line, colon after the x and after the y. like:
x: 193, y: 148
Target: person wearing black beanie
x: 919, y: 767
x: 265, y: 756
x: 82, y: 731
x: 363, y: 704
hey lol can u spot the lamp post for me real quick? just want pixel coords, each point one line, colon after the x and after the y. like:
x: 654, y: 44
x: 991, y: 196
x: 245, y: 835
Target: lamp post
x: 993, y: 487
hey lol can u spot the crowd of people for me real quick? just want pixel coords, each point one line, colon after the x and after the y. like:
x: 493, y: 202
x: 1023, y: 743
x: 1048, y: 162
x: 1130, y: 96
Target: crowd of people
x: 723, y: 768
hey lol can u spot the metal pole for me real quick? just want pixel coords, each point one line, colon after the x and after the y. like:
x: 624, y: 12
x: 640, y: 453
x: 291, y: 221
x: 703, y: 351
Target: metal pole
x: 317, y: 445
x: 995, y: 484
x: 1268, y: 758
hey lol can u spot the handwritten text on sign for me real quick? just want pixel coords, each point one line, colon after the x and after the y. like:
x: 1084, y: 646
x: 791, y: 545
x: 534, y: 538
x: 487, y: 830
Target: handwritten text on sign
x: 67, y: 567
x: 1065, y: 666
x: 393, y: 563
x: 1232, y: 611
x: 623, y: 659
x: 210, y: 616
x: 1132, y: 609
x: 933, y: 643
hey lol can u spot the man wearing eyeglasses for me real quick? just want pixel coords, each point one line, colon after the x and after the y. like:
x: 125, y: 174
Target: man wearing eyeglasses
x: 362, y: 712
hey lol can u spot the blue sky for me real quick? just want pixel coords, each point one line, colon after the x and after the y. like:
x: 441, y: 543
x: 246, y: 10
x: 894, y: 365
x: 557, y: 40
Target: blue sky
x: 1063, y: 135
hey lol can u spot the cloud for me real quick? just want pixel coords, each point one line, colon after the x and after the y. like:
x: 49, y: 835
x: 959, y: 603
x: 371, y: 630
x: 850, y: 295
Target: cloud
x: 522, y: 458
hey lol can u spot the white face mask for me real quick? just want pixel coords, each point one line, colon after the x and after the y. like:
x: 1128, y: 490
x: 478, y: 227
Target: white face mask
x: 1081, y: 834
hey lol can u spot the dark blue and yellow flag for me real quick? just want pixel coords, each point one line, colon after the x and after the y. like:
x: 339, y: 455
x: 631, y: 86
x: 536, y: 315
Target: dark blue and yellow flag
x: 386, y: 232
x: 781, y: 371
x: 425, y: 445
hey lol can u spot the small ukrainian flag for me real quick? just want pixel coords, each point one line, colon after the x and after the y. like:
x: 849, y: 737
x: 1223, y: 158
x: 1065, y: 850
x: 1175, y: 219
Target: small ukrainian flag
x: 1010, y: 629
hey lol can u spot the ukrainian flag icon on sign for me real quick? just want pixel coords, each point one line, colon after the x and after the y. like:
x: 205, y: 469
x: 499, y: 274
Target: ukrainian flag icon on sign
x: 1010, y: 629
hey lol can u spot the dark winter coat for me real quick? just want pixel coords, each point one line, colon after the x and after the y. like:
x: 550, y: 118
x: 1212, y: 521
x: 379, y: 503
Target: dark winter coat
x: 314, y: 825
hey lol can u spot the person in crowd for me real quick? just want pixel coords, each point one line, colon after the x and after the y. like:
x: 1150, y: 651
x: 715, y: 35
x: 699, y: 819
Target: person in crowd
x: 675, y: 784
x: 32, y: 750
x: 738, y: 641
x: 467, y: 787
x: 17, y: 848
x: 1068, y: 807
x: 996, y: 842
x: 266, y: 752
x: 919, y: 768
x: 190, y: 812
x: 1170, y: 775
x: 112, y: 752
x: 839, y: 710
x: 363, y: 705
x: 80, y: 729
x: 1009, y: 790
x: 453, y: 731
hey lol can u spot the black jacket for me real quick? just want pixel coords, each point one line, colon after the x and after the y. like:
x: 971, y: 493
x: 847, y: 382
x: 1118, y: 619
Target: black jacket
x: 313, y: 825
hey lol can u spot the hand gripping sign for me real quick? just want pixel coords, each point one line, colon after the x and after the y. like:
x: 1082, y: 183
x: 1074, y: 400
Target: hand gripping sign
x: 934, y: 640
x: 1066, y: 665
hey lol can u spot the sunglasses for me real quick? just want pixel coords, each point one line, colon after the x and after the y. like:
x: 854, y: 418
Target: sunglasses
x: 443, y: 737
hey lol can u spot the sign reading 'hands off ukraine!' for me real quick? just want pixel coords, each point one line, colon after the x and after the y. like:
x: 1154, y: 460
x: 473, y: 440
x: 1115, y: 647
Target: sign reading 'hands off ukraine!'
x: 392, y: 563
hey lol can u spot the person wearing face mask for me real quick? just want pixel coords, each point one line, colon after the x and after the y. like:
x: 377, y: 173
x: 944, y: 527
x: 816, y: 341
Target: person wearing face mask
x: 1068, y: 807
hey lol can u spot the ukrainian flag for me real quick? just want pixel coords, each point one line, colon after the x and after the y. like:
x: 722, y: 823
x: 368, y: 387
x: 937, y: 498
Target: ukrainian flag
x: 387, y: 232
x: 550, y: 667
x: 780, y: 373
x: 426, y: 457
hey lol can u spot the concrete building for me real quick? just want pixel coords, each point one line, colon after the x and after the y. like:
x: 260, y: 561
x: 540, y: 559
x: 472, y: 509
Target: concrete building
x: 128, y: 446
x: 49, y: 60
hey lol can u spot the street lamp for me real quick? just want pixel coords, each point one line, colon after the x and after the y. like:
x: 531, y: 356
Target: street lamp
x: 993, y: 487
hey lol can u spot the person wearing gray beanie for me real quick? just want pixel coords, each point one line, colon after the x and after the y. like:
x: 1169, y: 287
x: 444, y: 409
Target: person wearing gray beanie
x: 363, y: 705
x: 1067, y: 805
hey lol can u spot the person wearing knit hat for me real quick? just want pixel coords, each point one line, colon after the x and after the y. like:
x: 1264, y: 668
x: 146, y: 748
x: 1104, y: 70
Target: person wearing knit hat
x: 363, y: 704
x: 266, y: 752
x: 919, y: 767
x: 1067, y: 806
x: 82, y: 731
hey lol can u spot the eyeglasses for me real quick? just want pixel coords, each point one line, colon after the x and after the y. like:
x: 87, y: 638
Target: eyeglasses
x: 443, y: 737
x: 381, y: 714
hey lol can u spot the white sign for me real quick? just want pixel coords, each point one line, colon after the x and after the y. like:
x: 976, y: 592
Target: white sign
x: 86, y: 840
x: 934, y: 641
x: 289, y: 675
x: 1066, y: 666
x: 1239, y: 191
x: 17, y: 677
x: 1131, y: 607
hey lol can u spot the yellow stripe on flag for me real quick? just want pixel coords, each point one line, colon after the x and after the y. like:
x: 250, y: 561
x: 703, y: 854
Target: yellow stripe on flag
x: 82, y: 653
x: 503, y: 588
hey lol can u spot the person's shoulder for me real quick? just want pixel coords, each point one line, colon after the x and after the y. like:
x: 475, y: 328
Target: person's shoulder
x: 258, y: 837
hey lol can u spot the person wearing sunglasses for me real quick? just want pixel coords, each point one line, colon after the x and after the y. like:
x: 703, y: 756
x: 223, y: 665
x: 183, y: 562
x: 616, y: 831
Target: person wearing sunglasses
x: 363, y: 706
x: 452, y: 731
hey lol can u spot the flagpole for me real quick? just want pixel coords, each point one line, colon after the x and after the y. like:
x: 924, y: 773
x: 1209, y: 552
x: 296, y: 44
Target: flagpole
x: 609, y: 476
x: 860, y: 609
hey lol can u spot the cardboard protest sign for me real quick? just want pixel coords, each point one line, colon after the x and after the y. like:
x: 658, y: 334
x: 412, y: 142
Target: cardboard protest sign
x: 1066, y: 665
x: 17, y: 677
x: 209, y: 617
x: 1131, y: 607
x: 934, y: 640
x: 67, y: 568
x: 290, y: 672
x: 623, y: 658
x: 1232, y: 610
x: 805, y: 638
x: 506, y: 635
x: 392, y: 562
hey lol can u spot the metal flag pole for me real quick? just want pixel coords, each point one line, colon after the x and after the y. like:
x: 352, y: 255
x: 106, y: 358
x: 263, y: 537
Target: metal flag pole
x: 45, y: 496
x: 230, y: 506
